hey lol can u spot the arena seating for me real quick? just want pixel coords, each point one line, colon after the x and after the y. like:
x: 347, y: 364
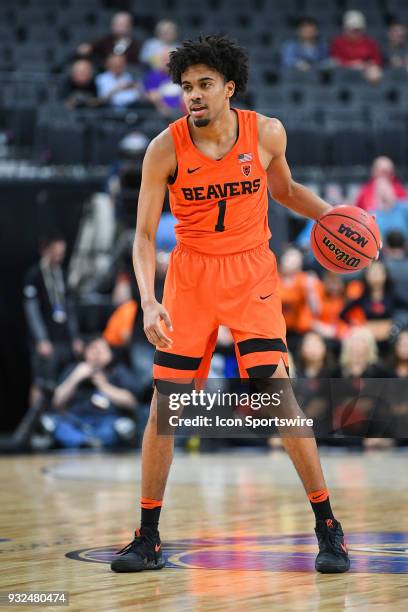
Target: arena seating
x: 38, y: 39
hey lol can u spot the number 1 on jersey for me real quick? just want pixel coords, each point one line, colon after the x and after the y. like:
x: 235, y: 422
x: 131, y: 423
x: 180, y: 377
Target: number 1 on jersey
x: 222, y: 207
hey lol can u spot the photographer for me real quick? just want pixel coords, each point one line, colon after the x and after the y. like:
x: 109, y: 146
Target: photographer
x: 92, y: 399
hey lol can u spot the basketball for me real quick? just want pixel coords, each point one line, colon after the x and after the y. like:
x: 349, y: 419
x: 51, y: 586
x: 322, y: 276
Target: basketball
x: 345, y: 239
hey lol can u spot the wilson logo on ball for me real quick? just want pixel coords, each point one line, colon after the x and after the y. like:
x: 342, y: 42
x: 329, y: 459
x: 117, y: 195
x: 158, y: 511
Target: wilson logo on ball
x: 352, y: 234
x: 341, y: 255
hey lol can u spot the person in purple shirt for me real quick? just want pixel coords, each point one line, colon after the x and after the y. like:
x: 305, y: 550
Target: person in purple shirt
x: 161, y: 91
x: 308, y: 51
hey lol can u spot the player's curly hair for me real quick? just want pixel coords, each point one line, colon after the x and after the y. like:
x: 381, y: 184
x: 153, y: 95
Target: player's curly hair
x: 217, y: 52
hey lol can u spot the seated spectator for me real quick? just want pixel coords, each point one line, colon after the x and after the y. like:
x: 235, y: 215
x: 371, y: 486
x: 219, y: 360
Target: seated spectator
x: 119, y: 42
x: 359, y: 356
x: 118, y: 330
x: 300, y: 296
x: 79, y: 91
x: 328, y: 322
x: 125, y: 328
x: 391, y: 214
x: 398, y: 395
x: 116, y: 86
x: 354, y: 413
x: 166, y: 35
x: 382, y: 167
x: 91, y: 397
x: 50, y: 313
x: 376, y: 306
x: 400, y: 356
x: 308, y: 51
x: 313, y: 358
x: 396, y: 52
x: 313, y: 367
x: 162, y: 92
x: 354, y: 49
x: 396, y: 262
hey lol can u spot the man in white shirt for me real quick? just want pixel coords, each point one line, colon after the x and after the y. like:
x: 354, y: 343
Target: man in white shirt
x: 116, y: 86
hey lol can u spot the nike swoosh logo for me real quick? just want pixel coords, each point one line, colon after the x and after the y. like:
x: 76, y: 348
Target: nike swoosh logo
x: 317, y: 497
x: 263, y: 297
x: 157, y: 547
x: 191, y: 170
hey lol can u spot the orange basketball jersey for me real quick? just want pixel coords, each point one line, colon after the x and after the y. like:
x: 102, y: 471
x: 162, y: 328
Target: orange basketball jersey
x: 221, y: 205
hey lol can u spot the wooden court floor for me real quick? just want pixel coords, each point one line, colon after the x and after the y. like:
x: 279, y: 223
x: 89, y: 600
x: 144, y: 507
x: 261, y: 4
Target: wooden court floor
x: 237, y: 532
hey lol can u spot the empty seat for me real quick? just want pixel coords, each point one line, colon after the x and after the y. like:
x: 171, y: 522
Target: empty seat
x: 347, y: 75
x: 306, y: 146
x: 300, y: 78
x: 65, y: 143
x: 104, y: 141
x: 42, y: 32
x: 391, y: 140
x: 349, y: 146
x: 339, y: 115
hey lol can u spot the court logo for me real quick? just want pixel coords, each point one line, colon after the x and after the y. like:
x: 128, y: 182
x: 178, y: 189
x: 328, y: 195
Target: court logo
x: 246, y: 170
x: 370, y: 552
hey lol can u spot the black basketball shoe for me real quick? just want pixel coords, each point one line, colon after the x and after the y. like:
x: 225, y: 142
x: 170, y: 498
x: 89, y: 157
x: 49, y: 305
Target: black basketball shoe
x: 333, y: 556
x: 143, y: 553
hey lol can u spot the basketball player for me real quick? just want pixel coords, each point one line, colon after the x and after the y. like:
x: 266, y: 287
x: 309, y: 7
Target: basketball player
x: 218, y: 163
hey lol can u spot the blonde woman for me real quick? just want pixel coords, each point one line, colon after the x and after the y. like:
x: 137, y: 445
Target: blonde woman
x: 359, y: 358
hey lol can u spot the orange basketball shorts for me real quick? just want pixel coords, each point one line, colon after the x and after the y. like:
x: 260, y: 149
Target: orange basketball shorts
x: 239, y: 291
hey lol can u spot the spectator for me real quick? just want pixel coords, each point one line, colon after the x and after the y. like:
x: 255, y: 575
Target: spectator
x: 165, y: 38
x: 79, y: 91
x: 308, y: 51
x: 382, y: 167
x: 361, y: 414
x: 91, y: 397
x: 313, y: 359
x: 328, y: 322
x: 359, y: 356
x: 118, y: 331
x: 400, y: 356
x: 116, y: 86
x: 119, y: 42
x: 313, y: 367
x: 354, y: 49
x: 125, y: 328
x: 398, y: 388
x: 396, y: 262
x: 50, y: 315
x: 396, y: 53
x: 300, y: 296
x: 375, y: 307
x: 161, y: 91
x: 391, y: 214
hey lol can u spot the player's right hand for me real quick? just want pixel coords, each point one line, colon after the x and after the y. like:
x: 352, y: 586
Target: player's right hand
x: 153, y: 314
